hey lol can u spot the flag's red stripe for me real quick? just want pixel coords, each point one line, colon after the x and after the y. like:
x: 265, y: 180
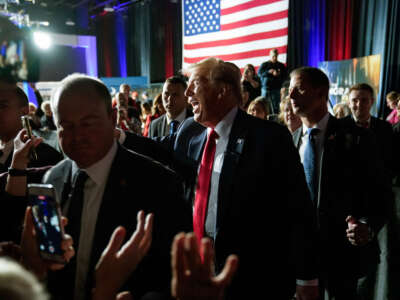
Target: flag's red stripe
x: 256, y: 20
x: 248, y: 5
x: 238, y: 40
x: 237, y: 56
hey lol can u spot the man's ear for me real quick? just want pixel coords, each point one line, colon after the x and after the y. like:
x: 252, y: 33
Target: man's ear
x: 321, y: 92
x: 24, y: 110
x: 223, y: 90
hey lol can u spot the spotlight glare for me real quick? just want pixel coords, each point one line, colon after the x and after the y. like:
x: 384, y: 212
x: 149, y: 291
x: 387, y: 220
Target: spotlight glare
x: 42, y: 40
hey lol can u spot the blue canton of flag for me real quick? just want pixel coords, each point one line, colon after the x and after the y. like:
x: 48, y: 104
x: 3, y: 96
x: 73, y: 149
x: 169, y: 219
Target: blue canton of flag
x: 201, y: 16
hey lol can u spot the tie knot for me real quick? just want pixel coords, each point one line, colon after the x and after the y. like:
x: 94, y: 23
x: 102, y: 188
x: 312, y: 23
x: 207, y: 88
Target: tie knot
x: 312, y: 132
x: 173, y: 126
x: 213, y: 135
x: 1, y: 153
x: 80, y: 178
x: 363, y: 124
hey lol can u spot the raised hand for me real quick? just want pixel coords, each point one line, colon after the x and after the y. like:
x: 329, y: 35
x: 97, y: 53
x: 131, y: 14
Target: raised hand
x: 121, y: 260
x: 192, y: 276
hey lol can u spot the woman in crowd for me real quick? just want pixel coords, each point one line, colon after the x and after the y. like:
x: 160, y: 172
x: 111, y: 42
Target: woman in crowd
x: 250, y: 76
x: 245, y: 95
x: 156, y: 111
x: 287, y: 116
x: 391, y: 100
x: 341, y: 110
x: 259, y: 108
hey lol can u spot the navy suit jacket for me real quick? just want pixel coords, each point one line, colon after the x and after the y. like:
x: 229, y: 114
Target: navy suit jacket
x: 128, y: 191
x: 159, y: 127
x: 264, y: 211
x: 147, y: 147
x: 352, y: 182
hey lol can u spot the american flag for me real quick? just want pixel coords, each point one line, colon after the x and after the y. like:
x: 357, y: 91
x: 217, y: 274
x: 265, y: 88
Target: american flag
x: 239, y: 31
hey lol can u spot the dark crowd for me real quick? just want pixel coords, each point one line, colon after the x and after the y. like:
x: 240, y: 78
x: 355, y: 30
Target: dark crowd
x: 227, y: 185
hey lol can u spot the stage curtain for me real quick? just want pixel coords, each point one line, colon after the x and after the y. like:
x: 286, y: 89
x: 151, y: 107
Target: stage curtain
x: 169, y: 50
x: 339, y: 28
x: 105, y: 43
x: 377, y: 32
x: 307, y: 30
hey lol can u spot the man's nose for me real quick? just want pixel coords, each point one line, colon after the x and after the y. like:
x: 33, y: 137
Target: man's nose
x: 291, y: 93
x: 189, y: 91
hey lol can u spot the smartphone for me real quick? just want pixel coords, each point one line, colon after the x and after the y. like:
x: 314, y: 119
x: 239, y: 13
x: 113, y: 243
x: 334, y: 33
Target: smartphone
x: 47, y: 219
x: 25, y: 123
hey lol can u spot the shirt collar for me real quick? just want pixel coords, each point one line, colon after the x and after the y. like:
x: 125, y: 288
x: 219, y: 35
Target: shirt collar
x: 321, y: 125
x: 224, y: 126
x: 98, y: 172
x: 360, y: 124
x: 180, y: 118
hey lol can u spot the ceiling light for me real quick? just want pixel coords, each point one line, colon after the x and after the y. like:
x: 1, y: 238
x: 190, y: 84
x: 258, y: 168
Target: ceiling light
x: 108, y: 8
x: 42, y: 40
x: 69, y: 22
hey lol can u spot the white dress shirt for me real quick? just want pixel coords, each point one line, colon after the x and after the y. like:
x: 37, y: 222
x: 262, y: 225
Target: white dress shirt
x: 93, y: 196
x: 223, y: 129
x: 180, y: 118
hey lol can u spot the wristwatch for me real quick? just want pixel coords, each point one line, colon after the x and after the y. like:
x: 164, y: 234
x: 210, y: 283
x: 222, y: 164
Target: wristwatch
x: 17, y: 172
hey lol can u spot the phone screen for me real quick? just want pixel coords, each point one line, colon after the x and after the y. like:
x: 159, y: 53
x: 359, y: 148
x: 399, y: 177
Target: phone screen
x: 47, y: 224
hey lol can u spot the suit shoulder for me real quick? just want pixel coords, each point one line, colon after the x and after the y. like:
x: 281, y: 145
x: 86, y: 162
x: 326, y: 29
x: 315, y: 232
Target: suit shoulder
x: 128, y: 159
x: 383, y: 124
x: 58, y: 170
x: 191, y: 126
x: 265, y: 125
x: 157, y: 121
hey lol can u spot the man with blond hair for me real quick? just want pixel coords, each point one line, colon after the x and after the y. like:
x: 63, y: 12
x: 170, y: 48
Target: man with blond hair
x: 230, y: 154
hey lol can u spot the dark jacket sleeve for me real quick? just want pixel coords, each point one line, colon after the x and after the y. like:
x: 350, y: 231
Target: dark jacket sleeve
x: 263, y: 70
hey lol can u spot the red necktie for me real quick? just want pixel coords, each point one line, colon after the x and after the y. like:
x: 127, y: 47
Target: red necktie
x: 203, y: 186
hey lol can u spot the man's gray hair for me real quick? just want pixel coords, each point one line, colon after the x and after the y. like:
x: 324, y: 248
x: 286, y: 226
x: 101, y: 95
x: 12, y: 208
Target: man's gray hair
x: 76, y: 82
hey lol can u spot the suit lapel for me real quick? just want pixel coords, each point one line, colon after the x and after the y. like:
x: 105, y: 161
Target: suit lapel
x: 196, y: 145
x: 373, y: 124
x: 325, y: 151
x: 237, y: 140
x: 107, y: 216
x: 297, y: 137
x: 163, y: 129
x: 63, y: 183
